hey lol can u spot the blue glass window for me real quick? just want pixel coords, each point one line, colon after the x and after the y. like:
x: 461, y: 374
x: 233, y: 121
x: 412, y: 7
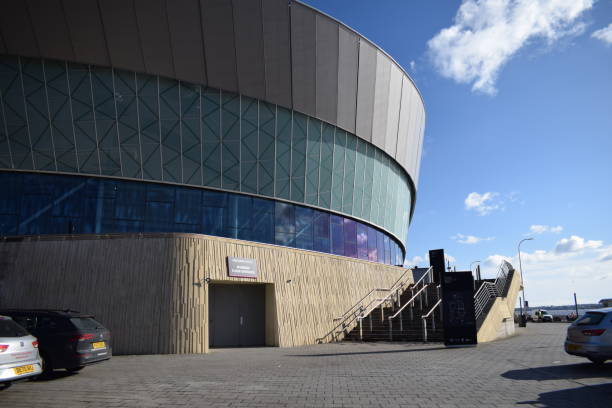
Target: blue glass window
x: 322, y: 240
x: 57, y: 204
x: 337, y: 235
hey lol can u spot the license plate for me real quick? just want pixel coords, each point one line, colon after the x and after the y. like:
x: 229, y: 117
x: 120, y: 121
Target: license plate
x: 98, y: 345
x: 573, y: 347
x: 24, y: 369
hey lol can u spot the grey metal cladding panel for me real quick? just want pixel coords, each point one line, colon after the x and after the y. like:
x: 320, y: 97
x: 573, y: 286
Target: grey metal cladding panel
x: 303, y: 32
x: 404, y: 118
x: 51, y: 29
x: 186, y: 40
x: 155, y: 36
x: 17, y: 30
x: 277, y: 51
x: 393, y: 110
x: 86, y: 31
x: 121, y: 29
x: 381, y: 100
x: 219, y: 45
x: 366, y: 84
x: 249, y: 48
x: 348, y: 58
x: 404, y: 126
x: 326, y: 69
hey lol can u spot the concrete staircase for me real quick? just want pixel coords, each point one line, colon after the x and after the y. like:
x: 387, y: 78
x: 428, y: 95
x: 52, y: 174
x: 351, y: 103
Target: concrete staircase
x: 408, y: 324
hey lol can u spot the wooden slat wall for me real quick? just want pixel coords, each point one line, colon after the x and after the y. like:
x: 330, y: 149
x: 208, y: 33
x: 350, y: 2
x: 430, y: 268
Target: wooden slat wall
x: 149, y: 291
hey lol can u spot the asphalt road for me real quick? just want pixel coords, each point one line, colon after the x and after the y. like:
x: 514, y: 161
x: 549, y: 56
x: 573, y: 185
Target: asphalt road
x: 530, y: 369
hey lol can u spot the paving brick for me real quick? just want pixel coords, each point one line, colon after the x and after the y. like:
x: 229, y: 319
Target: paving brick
x: 529, y: 369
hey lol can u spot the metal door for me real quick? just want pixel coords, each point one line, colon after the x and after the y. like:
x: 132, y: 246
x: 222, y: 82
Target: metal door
x: 237, y: 315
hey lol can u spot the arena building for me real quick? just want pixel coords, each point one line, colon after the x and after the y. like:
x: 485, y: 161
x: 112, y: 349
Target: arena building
x: 149, y: 148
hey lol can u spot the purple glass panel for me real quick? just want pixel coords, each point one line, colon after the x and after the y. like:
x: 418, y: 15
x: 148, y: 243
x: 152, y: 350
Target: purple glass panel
x: 387, y: 250
x: 350, y: 238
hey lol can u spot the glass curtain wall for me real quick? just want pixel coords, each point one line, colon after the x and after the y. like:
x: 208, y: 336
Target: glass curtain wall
x: 37, y: 204
x: 73, y: 118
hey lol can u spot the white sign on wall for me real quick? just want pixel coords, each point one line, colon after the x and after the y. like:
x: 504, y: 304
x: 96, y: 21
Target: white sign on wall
x: 241, y: 267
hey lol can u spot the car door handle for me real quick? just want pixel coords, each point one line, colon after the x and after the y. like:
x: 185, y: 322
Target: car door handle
x: 241, y: 320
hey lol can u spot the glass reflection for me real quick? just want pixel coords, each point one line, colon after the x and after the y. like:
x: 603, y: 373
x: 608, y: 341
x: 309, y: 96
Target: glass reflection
x: 33, y: 204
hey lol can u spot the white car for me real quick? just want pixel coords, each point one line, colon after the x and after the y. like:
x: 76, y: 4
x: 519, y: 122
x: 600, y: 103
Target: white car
x: 19, y: 356
x: 591, y: 336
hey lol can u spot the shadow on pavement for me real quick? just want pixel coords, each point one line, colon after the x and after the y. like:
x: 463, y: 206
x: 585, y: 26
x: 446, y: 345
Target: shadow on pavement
x: 358, y: 353
x: 568, y: 372
x: 588, y: 396
x: 55, y: 375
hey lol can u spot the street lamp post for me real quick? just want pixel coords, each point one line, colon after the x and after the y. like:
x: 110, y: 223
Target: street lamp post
x: 524, y: 302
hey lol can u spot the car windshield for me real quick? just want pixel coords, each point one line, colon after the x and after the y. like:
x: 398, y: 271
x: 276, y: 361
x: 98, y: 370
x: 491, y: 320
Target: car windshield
x: 85, y: 323
x: 8, y: 328
x: 590, y: 318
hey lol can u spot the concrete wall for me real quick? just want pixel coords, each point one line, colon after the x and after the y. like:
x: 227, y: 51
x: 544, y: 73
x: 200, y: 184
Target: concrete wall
x: 499, y: 322
x: 150, y: 292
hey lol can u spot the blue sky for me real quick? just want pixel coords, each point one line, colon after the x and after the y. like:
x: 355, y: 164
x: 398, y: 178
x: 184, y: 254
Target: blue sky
x: 518, y: 139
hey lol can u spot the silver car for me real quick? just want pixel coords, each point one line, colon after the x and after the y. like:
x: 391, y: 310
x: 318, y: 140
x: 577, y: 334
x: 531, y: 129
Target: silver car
x: 591, y: 336
x: 19, y: 356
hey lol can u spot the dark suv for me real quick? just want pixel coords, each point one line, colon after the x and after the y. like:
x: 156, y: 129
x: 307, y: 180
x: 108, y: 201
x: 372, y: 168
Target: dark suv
x: 67, y: 339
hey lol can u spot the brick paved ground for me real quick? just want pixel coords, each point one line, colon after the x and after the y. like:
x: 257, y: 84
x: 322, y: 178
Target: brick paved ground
x: 527, y: 370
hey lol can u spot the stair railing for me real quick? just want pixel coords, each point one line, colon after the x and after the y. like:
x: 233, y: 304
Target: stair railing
x: 410, y: 302
x: 358, y: 308
x: 488, y: 291
x: 433, y: 321
x: 396, y: 293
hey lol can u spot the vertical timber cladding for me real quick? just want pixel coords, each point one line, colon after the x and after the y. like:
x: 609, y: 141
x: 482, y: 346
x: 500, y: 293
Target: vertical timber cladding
x: 151, y: 290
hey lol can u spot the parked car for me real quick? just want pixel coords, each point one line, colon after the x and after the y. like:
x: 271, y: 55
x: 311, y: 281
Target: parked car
x: 547, y: 318
x: 67, y: 339
x: 591, y: 336
x: 19, y: 356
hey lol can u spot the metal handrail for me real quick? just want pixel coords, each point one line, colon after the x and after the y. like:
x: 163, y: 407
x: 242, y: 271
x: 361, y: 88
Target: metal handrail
x: 359, y: 302
x: 433, y: 321
x: 412, y: 299
x: 351, y: 315
x: 409, y: 302
x: 488, y: 291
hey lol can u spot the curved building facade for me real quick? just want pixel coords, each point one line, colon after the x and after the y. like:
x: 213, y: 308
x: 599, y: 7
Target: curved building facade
x: 264, y: 121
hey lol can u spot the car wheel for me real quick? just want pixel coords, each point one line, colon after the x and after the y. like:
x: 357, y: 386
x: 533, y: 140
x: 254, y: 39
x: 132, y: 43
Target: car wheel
x: 597, y: 361
x: 47, y: 367
x: 74, y: 369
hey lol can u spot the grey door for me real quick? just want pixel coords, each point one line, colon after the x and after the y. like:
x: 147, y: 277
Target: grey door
x: 237, y: 315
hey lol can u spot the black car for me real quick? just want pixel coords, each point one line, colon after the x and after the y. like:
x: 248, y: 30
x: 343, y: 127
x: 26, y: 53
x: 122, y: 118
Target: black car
x: 67, y: 339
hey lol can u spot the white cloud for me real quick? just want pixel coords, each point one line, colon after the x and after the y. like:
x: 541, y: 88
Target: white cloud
x: 604, y: 34
x: 412, y: 66
x: 487, y: 33
x: 575, y: 244
x: 469, y: 239
x: 484, y: 203
x: 552, y: 276
x: 541, y: 229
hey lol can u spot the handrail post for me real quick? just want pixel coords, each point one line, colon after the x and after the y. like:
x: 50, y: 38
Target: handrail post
x: 433, y: 320
x: 402, y: 321
x: 424, y: 330
x: 360, y: 329
x: 382, y: 313
x: 370, y: 316
x: 390, y: 329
